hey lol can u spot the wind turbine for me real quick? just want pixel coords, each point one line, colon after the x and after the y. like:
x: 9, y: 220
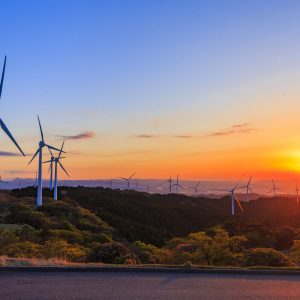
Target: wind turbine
x: 56, y: 161
x: 51, y: 169
x: 274, y: 189
x: 127, y: 179
x: 39, y: 151
x: 170, y: 182
x: 110, y: 183
x: 247, y: 187
x: 177, y: 184
x: 195, y: 188
x: 3, y: 126
x: 233, y: 198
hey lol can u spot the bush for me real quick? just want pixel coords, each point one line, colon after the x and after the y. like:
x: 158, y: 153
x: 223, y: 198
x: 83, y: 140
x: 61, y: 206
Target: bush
x: 63, y: 250
x: 284, y: 238
x: 23, y: 249
x: 266, y: 257
x: 113, y: 253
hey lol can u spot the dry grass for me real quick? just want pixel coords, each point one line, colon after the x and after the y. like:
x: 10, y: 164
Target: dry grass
x: 34, y: 262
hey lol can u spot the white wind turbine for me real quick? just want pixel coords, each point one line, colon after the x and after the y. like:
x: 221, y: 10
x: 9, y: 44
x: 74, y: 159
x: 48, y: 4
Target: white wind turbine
x: 51, y: 161
x: 3, y: 126
x: 195, y: 188
x: 127, y: 180
x: 56, y: 161
x: 233, y: 198
x: 39, y: 151
x: 177, y: 184
x: 274, y: 189
x: 247, y: 187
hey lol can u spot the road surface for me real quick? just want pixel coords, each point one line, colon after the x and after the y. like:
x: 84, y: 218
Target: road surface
x: 146, y: 286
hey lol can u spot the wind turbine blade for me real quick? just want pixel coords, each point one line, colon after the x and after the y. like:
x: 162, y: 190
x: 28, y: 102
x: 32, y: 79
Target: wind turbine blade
x: 50, y: 165
x: 122, y: 178
x: 131, y: 176
x: 198, y: 184
x: 47, y: 161
x: 251, y: 190
x: 63, y: 168
x: 53, y: 148
x: 60, y: 152
x: 238, y: 202
x: 249, y: 181
x: 163, y: 183
x: 36, y: 153
x: 181, y: 186
x: 2, y: 77
x: 50, y: 152
x: 5, y: 129
x: 237, y: 183
x: 41, y: 130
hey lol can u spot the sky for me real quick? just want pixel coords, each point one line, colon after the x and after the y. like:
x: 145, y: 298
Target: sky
x: 204, y: 89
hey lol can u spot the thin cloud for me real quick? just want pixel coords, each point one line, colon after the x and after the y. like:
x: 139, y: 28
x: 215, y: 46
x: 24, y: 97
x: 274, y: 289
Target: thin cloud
x: 241, y: 125
x: 183, y: 136
x: 4, y: 153
x: 146, y: 136
x: 80, y: 136
x: 129, y: 153
x: 14, y: 172
x: 242, y: 128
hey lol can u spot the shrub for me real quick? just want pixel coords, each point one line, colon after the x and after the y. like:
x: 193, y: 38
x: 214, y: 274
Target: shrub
x: 267, y: 257
x: 113, y: 253
x: 284, y: 238
x: 23, y: 249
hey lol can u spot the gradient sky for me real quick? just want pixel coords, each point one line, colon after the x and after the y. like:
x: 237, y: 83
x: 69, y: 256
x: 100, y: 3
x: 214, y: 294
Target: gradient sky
x: 208, y: 89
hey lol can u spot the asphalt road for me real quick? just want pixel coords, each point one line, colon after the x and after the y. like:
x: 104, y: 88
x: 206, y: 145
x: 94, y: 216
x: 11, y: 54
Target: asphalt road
x: 129, y: 286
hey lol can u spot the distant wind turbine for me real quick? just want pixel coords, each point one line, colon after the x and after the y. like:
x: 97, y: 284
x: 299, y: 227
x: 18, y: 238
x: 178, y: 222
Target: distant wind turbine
x: 127, y: 180
x: 195, y: 188
x: 170, y: 182
x: 3, y: 126
x: 177, y: 184
x: 57, y: 162
x: 274, y: 189
x: 247, y: 187
x: 233, y: 198
x: 51, y: 162
x: 110, y: 183
x: 39, y: 151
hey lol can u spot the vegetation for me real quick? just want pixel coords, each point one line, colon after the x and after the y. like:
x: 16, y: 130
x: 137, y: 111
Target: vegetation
x: 96, y: 225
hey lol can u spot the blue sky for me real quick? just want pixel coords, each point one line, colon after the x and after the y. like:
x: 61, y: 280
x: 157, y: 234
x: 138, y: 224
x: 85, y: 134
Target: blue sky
x: 123, y: 69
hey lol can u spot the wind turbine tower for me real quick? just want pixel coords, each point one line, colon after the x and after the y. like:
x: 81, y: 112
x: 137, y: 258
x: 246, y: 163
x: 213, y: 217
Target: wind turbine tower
x: 39, y: 151
x: 233, y: 198
x: 274, y: 189
x: 177, y: 184
x: 247, y: 187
